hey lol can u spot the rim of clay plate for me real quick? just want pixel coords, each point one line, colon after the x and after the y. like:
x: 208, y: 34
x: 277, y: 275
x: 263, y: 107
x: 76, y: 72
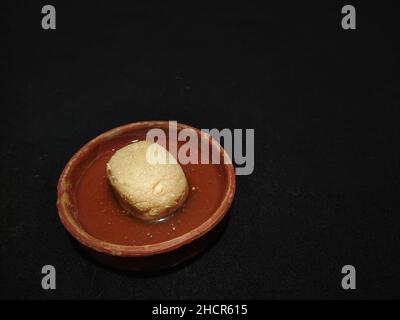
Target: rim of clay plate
x: 65, y: 203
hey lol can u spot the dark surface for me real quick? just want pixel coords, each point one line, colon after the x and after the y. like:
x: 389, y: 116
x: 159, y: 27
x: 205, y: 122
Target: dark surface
x: 323, y: 102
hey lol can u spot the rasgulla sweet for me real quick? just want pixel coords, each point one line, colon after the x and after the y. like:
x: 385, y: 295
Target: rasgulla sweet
x: 146, y: 189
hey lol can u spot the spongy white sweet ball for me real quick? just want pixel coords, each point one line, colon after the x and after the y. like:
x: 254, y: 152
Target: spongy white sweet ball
x: 145, y: 188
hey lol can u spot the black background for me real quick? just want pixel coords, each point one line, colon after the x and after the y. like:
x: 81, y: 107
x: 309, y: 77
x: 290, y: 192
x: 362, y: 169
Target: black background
x: 323, y: 102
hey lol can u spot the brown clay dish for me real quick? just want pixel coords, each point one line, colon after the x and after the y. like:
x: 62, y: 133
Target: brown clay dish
x: 91, y: 213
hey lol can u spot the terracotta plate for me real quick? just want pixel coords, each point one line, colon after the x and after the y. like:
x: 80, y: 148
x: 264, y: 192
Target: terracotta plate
x: 91, y: 214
